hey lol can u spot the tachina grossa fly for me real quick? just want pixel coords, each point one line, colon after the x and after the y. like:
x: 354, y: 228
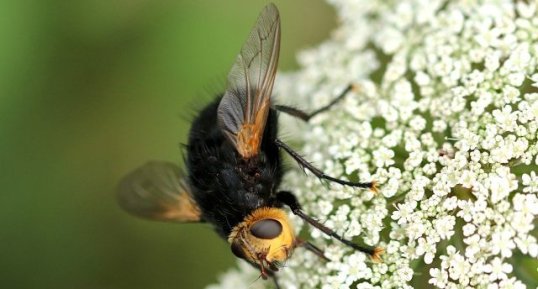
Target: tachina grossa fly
x: 234, y: 166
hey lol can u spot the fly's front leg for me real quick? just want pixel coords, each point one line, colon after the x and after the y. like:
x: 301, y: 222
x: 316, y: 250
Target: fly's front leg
x: 320, y: 174
x: 288, y: 199
x: 307, y: 116
x: 275, y: 281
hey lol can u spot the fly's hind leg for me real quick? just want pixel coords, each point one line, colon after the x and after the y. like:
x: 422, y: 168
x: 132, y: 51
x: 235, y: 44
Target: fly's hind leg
x: 307, y: 116
x: 288, y: 199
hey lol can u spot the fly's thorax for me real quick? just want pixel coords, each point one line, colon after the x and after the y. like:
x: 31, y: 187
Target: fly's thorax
x: 256, y: 175
x: 265, y: 235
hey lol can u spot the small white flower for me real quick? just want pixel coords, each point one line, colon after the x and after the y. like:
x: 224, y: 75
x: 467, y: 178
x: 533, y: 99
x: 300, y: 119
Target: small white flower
x: 450, y: 203
x: 391, y: 187
x: 497, y: 269
x: 502, y: 242
x: 468, y: 229
x: 439, y: 278
x: 511, y: 283
x: 417, y: 123
x: 474, y: 245
x: 458, y: 267
x: 444, y: 226
x: 403, y: 212
x: 527, y: 245
x: 426, y: 247
x: 355, y: 268
x: 466, y: 210
x: 383, y: 157
x: 530, y: 182
x: 499, y: 187
x: 506, y: 119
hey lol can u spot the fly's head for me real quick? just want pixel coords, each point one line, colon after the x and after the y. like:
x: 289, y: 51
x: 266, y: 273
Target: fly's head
x: 265, y: 238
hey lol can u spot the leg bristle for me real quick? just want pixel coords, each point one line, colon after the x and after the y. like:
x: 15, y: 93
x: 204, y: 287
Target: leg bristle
x: 373, y: 188
x: 376, y: 254
x: 356, y: 88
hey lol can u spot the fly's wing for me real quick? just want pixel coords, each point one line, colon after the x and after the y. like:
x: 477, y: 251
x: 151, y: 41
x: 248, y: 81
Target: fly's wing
x: 158, y: 191
x: 243, y: 110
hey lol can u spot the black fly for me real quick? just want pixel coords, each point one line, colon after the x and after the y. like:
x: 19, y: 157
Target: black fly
x: 234, y: 165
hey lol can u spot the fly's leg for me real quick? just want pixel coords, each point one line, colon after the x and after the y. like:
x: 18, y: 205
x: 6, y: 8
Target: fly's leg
x: 312, y: 248
x: 320, y: 174
x: 307, y: 116
x: 290, y: 200
x: 304, y: 163
x: 275, y: 281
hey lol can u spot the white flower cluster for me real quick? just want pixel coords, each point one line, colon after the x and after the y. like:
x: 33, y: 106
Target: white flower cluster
x: 446, y: 121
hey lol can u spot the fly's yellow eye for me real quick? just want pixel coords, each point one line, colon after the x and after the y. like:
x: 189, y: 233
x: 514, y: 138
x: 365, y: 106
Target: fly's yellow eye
x: 266, y: 229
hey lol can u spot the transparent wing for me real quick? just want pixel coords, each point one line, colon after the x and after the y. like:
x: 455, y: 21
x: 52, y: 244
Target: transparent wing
x: 158, y: 191
x: 243, y: 110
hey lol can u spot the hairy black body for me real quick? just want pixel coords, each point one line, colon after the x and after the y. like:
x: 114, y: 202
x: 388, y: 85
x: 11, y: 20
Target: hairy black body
x: 226, y: 186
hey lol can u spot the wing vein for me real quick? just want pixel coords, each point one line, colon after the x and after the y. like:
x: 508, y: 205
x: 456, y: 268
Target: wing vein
x: 244, y: 108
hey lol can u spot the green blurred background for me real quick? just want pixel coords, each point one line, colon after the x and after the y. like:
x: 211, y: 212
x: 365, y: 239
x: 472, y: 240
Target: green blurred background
x: 88, y: 91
